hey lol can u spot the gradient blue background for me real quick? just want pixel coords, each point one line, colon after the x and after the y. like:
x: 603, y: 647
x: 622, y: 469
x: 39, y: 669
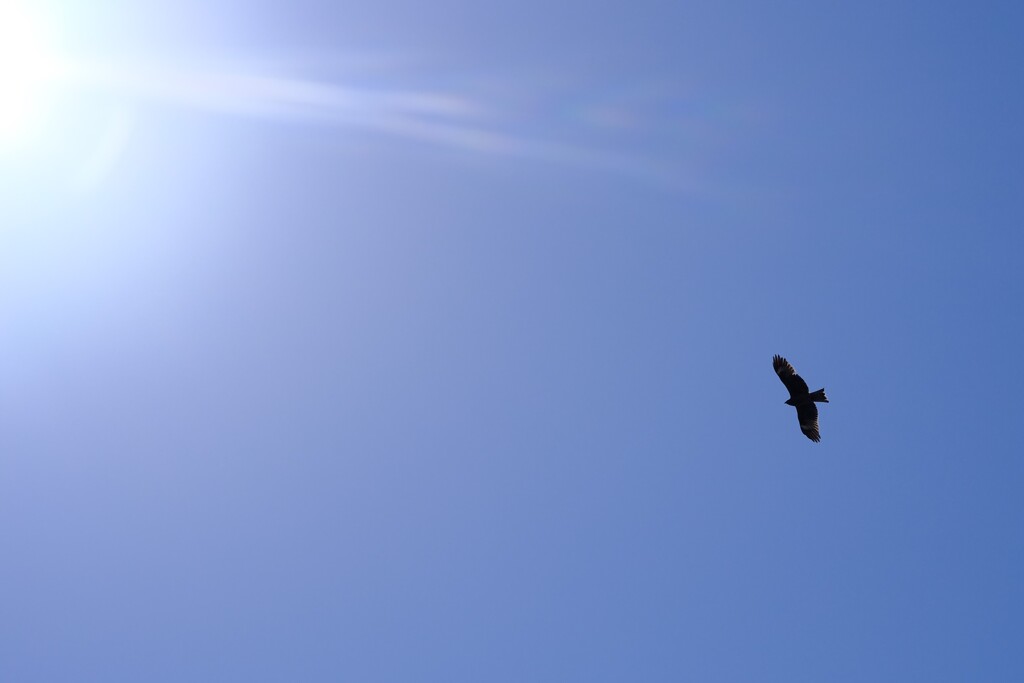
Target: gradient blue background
x: 286, y: 399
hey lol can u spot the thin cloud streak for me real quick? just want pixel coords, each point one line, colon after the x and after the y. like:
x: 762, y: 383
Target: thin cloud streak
x: 443, y: 119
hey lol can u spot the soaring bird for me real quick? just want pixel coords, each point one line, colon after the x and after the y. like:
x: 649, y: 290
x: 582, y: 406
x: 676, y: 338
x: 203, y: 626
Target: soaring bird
x: 806, y: 411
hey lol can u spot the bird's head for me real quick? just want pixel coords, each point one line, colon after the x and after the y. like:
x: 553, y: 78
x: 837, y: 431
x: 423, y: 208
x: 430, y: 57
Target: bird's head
x: 789, y: 402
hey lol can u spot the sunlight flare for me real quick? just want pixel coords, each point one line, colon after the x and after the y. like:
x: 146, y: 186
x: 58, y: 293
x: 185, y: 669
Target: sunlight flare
x: 28, y: 67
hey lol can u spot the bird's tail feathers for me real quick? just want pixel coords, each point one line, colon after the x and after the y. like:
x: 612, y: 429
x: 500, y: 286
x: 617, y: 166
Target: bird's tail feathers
x: 819, y: 396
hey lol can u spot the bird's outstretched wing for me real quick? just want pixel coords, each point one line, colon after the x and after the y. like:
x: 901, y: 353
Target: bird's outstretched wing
x: 807, y: 413
x: 794, y: 382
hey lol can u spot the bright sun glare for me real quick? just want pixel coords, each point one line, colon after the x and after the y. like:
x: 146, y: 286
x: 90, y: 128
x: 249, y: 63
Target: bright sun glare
x: 28, y: 67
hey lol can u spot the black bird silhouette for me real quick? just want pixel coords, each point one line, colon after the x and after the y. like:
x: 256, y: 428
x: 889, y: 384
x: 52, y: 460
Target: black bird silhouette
x: 799, y: 397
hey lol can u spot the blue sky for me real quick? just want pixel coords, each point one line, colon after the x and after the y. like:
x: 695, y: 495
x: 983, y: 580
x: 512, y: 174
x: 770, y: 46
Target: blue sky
x: 395, y: 342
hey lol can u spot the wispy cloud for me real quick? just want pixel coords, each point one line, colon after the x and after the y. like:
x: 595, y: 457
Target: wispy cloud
x: 453, y: 120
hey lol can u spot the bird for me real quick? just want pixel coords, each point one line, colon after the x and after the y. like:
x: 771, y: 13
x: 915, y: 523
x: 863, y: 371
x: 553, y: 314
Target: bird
x: 800, y: 398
